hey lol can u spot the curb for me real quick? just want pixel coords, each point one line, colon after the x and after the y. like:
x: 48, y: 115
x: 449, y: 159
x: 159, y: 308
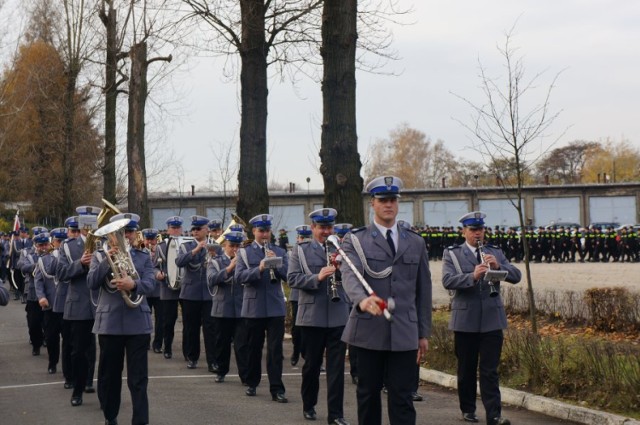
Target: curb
x: 535, y: 403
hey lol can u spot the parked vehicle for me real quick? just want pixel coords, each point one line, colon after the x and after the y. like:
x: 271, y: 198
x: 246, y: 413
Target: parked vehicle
x: 604, y: 225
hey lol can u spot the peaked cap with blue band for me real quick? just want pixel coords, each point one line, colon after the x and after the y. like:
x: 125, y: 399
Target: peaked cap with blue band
x: 175, y: 221
x: 72, y: 222
x: 199, y: 221
x: 323, y: 216
x: 214, y: 224
x: 38, y: 229
x: 59, y: 233
x: 385, y: 187
x: 473, y: 219
x: 261, y: 220
x: 342, y: 229
x: 134, y: 219
x: 88, y: 210
x: 149, y: 233
x: 303, y: 230
x: 234, y: 237
x: 237, y: 227
x: 42, y: 237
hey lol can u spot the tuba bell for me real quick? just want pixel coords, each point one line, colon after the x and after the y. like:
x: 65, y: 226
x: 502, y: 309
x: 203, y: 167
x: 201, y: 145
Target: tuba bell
x: 121, y: 262
x: 234, y: 221
x: 105, y: 215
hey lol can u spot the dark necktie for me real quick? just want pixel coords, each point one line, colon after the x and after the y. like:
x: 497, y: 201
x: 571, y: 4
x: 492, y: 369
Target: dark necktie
x: 390, y: 242
x: 478, y: 256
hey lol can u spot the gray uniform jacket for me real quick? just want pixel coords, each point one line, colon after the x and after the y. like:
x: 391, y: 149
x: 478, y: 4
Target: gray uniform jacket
x: 18, y: 246
x: 226, y: 292
x: 261, y: 298
x: 472, y: 309
x: 194, y: 280
x: 79, y: 302
x: 160, y: 264
x: 315, y: 307
x: 44, y: 279
x: 113, y: 316
x: 156, y: 283
x: 61, y: 288
x: 409, y: 284
x: 27, y: 264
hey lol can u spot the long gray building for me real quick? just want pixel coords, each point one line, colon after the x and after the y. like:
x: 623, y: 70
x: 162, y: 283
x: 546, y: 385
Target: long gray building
x: 543, y: 205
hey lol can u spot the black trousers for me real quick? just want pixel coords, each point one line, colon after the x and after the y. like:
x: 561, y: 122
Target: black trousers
x: 226, y: 336
x: 35, y: 316
x: 296, y: 337
x: 81, y: 343
x: 273, y: 327
x: 113, y: 349
x: 481, y: 350
x: 196, y: 315
x: 169, y: 318
x: 52, y: 331
x: 317, y: 340
x: 18, y: 279
x: 65, y: 352
x: 158, y: 316
x: 241, y: 349
x: 397, y: 370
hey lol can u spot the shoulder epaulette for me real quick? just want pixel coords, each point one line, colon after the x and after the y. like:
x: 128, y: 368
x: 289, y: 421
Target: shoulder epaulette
x: 357, y: 229
x: 413, y: 231
x: 304, y: 242
x: 450, y: 247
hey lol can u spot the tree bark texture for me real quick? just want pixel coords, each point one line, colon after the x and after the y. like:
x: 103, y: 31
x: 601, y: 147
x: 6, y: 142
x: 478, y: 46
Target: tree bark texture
x: 340, y: 160
x: 253, y: 197
x: 111, y: 93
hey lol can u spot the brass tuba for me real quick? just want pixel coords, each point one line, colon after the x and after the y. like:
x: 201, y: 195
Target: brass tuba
x: 234, y: 220
x: 105, y: 215
x: 121, y: 262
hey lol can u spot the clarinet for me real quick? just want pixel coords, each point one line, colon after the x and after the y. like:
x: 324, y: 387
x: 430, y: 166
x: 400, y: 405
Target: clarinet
x: 493, y: 291
x: 272, y: 273
x: 332, y: 285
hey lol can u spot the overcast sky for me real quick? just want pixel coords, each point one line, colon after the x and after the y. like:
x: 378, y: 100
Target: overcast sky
x: 595, y: 43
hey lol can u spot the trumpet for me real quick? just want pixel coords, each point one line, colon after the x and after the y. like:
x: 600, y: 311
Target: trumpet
x: 493, y: 291
x: 332, y: 285
x: 272, y: 273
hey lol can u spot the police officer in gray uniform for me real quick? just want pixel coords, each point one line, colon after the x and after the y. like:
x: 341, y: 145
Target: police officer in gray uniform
x: 123, y: 330
x: 195, y: 296
x: 323, y: 308
x: 45, y: 288
x: 227, y: 306
x: 79, y: 310
x: 58, y: 324
x: 304, y: 233
x: 169, y: 298
x: 477, y: 317
x: 394, y: 262
x: 150, y: 236
x: 263, y: 305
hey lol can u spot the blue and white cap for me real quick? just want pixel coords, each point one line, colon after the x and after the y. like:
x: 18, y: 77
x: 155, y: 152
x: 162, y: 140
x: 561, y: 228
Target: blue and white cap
x: 385, y: 187
x: 175, y: 221
x: 38, y: 229
x: 88, y: 210
x: 234, y: 237
x: 199, y: 221
x: 214, y: 224
x: 150, y: 233
x: 134, y: 219
x: 42, y: 237
x: 342, y: 229
x: 323, y: 216
x: 262, y: 220
x: 72, y: 222
x: 236, y: 227
x: 303, y: 230
x: 59, y: 233
x: 473, y: 219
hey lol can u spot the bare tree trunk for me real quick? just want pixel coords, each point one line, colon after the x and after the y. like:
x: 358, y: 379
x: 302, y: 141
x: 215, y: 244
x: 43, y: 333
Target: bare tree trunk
x: 69, y: 138
x: 111, y: 93
x: 253, y: 197
x: 339, y: 141
x: 137, y: 171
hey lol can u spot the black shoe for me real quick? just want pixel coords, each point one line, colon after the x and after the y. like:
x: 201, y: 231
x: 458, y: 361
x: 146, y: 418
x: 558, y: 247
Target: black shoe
x: 339, y: 421
x: 251, y: 391
x: 322, y: 369
x: 35, y: 351
x: 68, y: 385
x: 89, y: 389
x: 354, y: 380
x: 499, y: 421
x: 469, y: 417
x: 52, y: 370
x: 416, y: 397
x: 157, y: 350
x: 76, y: 401
x: 219, y: 379
x: 279, y: 397
x: 294, y: 359
x: 310, y: 414
x: 192, y: 364
x: 167, y: 355
x: 213, y: 367
x: 384, y: 389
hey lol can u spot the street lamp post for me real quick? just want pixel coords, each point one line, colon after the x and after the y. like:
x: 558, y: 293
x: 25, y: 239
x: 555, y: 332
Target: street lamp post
x: 308, y: 180
x: 476, y: 200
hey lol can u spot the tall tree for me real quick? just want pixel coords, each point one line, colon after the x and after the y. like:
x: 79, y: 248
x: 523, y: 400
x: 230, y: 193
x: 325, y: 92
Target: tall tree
x: 504, y: 131
x: 565, y: 165
x: 613, y: 161
x: 339, y: 141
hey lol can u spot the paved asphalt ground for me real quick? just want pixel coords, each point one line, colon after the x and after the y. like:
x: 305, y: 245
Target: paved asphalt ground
x: 177, y: 395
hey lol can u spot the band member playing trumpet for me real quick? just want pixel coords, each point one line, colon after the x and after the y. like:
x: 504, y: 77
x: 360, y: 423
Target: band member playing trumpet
x: 122, y: 330
x: 226, y: 308
x: 477, y: 318
x: 323, y: 309
x: 263, y: 305
x: 169, y: 298
x: 195, y: 296
x: 393, y: 262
